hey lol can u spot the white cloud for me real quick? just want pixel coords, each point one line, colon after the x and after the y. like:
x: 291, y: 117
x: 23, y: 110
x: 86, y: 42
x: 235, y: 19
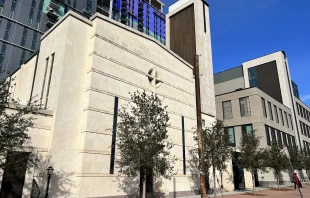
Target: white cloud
x: 305, y: 97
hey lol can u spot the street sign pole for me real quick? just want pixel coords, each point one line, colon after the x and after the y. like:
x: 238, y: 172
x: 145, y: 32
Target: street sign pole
x: 289, y: 160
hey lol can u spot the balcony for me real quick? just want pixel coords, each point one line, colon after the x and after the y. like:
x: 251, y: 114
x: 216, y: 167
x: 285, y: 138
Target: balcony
x: 52, y: 14
x: 49, y: 23
x: 54, y: 5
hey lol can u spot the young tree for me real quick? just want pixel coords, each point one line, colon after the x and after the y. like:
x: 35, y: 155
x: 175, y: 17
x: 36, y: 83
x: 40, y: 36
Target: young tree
x: 277, y: 160
x: 217, y: 149
x: 296, y: 157
x: 251, y: 157
x: 15, y: 121
x: 143, y: 139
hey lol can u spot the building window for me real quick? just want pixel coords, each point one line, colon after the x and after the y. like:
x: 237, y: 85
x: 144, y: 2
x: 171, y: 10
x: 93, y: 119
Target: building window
x: 252, y: 77
x: 231, y: 135
x: 23, y: 42
x: 284, y: 139
x: 264, y: 107
x: 281, y: 114
x: 276, y: 113
x: 44, y: 79
x: 245, y: 106
x: 298, y: 110
x: 289, y: 140
x: 267, y: 135
x: 227, y: 110
x: 301, y: 127
x: 29, y: 21
x: 49, y: 80
x: 273, y: 135
x: 89, y: 6
x: 74, y: 4
x: 279, y: 138
x: 7, y: 31
x: 270, y: 111
x: 248, y: 128
x: 295, y: 90
x: 286, y: 120
x: 1, y: 9
x: 69, y: 2
x: 290, y: 118
x: 203, y: 122
x: 22, y: 58
x: 2, y: 52
x: 38, y: 25
x: 294, y: 141
x: 34, y: 41
x: 12, y: 14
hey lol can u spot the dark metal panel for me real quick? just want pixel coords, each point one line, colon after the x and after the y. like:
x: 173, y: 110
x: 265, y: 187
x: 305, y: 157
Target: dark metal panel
x: 268, y: 80
x: 182, y: 34
x: 227, y: 75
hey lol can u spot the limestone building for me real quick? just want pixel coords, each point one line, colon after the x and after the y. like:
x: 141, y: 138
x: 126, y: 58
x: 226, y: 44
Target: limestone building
x: 83, y: 74
x: 260, y: 96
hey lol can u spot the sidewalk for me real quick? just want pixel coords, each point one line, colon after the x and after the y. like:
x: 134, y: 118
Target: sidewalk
x: 246, y: 191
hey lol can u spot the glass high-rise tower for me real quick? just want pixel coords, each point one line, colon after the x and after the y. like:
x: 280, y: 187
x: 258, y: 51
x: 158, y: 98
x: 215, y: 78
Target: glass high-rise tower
x: 23, y: 22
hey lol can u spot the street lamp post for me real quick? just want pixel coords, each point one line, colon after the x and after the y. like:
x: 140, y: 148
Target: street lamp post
x: 50, y: 171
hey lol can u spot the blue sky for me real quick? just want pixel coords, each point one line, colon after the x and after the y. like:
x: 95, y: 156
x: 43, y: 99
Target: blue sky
x: 245, y: 29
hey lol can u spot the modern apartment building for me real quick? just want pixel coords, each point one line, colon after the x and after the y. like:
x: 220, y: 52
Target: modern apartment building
x: 23, y: 22
x: 259, y: 96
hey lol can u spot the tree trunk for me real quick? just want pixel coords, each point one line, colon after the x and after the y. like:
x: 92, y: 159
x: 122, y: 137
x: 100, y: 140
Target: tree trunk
x: 253, y: 181
x: 144, y: 186
x: 278, y: 181
x: 214, y: 182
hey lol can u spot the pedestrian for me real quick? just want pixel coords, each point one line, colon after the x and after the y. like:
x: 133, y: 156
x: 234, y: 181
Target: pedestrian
x: 296, y: 182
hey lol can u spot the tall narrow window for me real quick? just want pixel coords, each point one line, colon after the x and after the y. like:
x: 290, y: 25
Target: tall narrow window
x: 113, y: 144
x: 284, y: 139
x: 34, y: 41
x: 12, y: 9
x: 298, y: 110
x: 22, y: 58
x: 279, y: 139
x: 227, y: 110
x: 7, y: 31
x: 245, y: 106
x: 183, y: 146
x: 74, y: 3
x: 290, y: 118
x: 301, y: 127
x: 264, y: 107
x: 231, y: 134
x: 23, y: 42
x: 286, y: 119
x: 273, y: 135
x: 289, y: 140
x: 49, y: 80
x: 294, y: 141
x: 276, y: 113
x: 89, y: 6
x: 270, y: 111
x: 12, y: 14
x: 281, y: 114
x: 252, y: 77
x: 1, y: 9
x: 2, y: 52
x: 267, y: 135
x: 44, y: 79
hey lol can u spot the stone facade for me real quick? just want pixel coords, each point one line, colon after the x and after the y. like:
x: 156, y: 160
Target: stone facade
x: 82, y: 66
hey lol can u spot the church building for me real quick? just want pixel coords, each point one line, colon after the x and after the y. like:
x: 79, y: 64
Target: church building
x: 83, y: 73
